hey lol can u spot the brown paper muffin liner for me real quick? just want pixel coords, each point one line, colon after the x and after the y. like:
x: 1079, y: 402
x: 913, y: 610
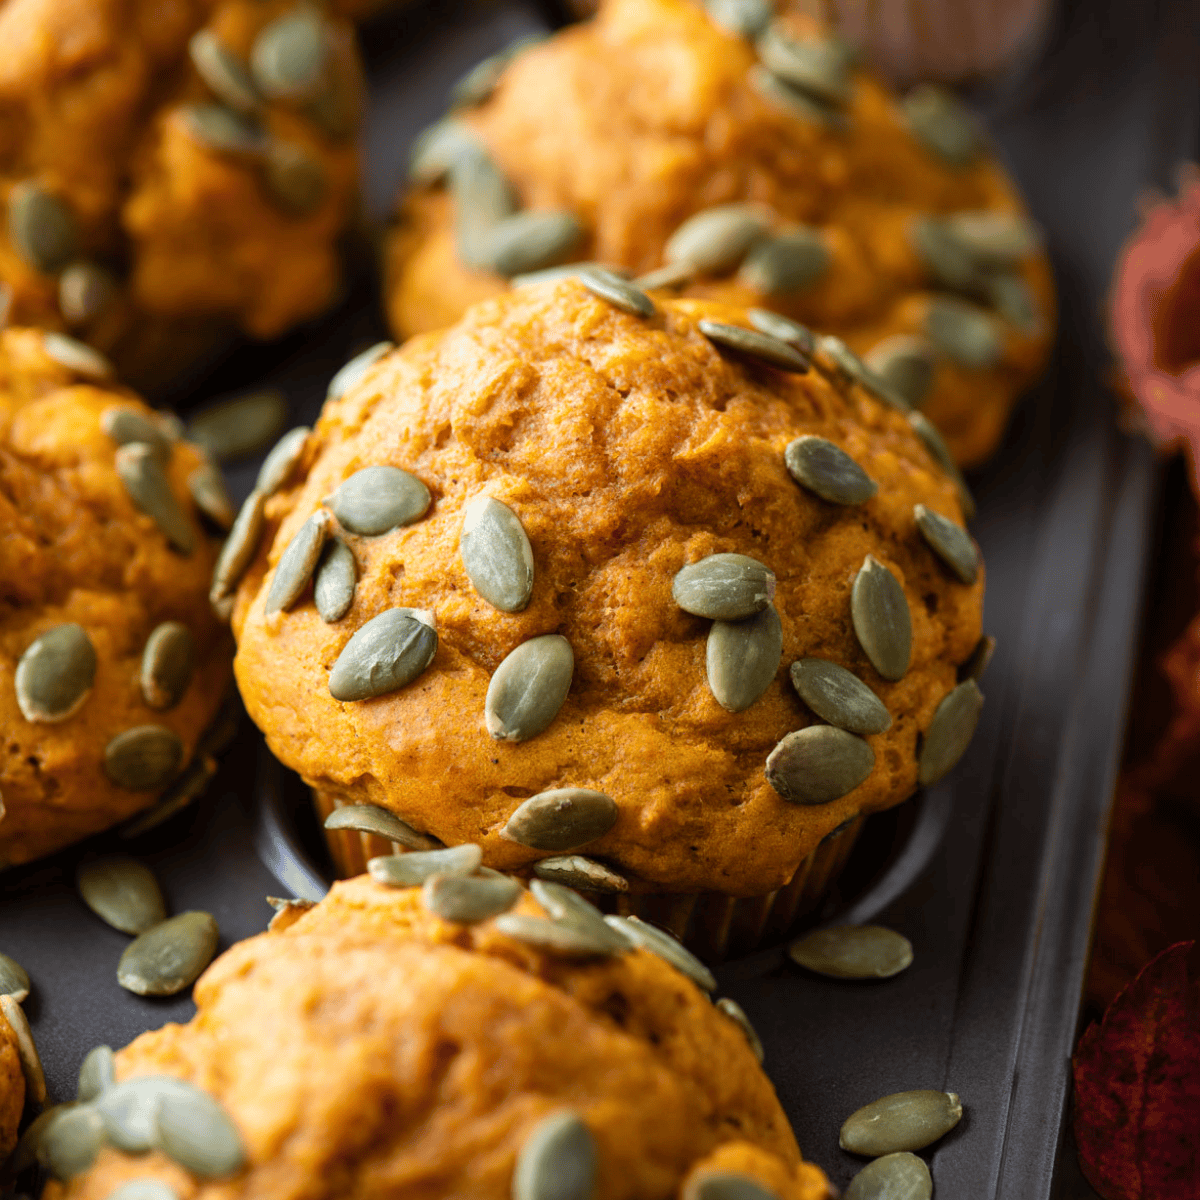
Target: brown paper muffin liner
x: 711, y: 924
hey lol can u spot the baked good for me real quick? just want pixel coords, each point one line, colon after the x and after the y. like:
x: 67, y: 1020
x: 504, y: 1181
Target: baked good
x: 370, y: 1048
x: 546, y: 525
x: 12, y: 1088
x: 173, y: 175
x: 655, y: 140
x: 111, y: 663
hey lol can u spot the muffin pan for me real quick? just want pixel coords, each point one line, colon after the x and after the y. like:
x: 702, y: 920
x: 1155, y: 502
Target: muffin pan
x: 992, y: 873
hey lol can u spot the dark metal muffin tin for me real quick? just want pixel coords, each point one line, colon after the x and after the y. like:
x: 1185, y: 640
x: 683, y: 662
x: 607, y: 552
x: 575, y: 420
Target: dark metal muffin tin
x: 993, y: 873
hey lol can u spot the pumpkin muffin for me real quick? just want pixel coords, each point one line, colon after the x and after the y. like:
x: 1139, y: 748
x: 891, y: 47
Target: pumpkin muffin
x: 173, y: 174
x: 588, y: 570
x: 12, y: 1088
x: 111, y: 662
x: 372, y: 1048
x: 757, y: 165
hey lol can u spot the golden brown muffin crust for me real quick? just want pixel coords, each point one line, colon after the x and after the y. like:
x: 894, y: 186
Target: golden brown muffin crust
x: 12, y: 1089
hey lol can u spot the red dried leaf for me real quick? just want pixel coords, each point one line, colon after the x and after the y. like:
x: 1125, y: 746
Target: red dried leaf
x: 1137, y: 1087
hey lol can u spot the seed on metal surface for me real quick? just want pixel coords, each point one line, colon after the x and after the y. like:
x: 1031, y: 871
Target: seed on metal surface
x: 386, y: 654
x: 556, y: 938
x: 742, y: 658
x: 964, y: 332
x: 561, y: 819
x: 935, y: 444
x: 187, y: 787
x: 376, y: 500
x: 482, y: 199
x: 409, y: 870
x: 168, y: 958
x: 650, y: 937
x: 528, y: 241
x: 905, y: 364
x: 528, y: 688
x: 950, y: 542
x: 673, y: 275
x: 496, y: 554
x: 194, y: 1131
x: 755, y: 345
x: 799, y: 103
x: 950, y: 732
x: 14, y: 979
x: 798, y: 336
x: 85, y: 290
x: 882, y: 620
x: 734, y: 1011
x: 715, y: 240
x: 122, y: 892
x: 335, y: 580
x: 71, y: 1141
x: 853, y: 952
x: 940, y: 122
x: 55, y: 674
x: 41, y: 227
x: 207, y: 486
x: 355, y: 370
x: 994, y: 238
x: 168, y: 660
x: 584, y: 874
x: 466, y: 899
x: 279, y: 464
x: 437, y: 150
x: 903, y: 1121
x: 828, y: 470
x: 620, y: 293
x: 97, y: 1073
x: 297, y: 563
x: 242, y: 425
x: 223, y: 72
x: 144, y: 758
x: 980, y: 658
x: 787, y: 262
x: 123, y: 425
x: 744, y: 18
x: 146, y: 482
x: 558, y: 1161
x: 31, y: 1063
x: 839, y: 696
x: 224, y: 130
x: 240, y: 547
x: 290, y: 57
x: 900, y: 1176
x: 371, y: 818
x: 296, y: 180
x: 819, y: 764
x: 724, y: 587
x: 724, y: 1185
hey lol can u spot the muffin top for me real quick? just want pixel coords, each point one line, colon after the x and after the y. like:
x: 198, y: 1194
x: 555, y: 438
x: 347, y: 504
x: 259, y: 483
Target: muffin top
x: 654, y: 135
x: 371, y: 1048
x: 12, y: 1088
x: 558, y: 463
x: 111, y: 662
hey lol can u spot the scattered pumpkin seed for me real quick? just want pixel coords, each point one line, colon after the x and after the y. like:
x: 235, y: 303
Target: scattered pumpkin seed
x: 55, y: 674
x: 482, y: 199
x: 239, y: 426
x: 297, y: 563
x: 551, y: 937
x: 355, y: 370
x: 734, y: 1011
x: 576, y: 871
x: 882, y: 620
x: 41, y: 227
x: 567, y: 907
x: 146, y: 482
x: 815, y: 66
x: 296, y: 180
x: 123, y: 425
x: 466, y: 899
x: 122, y: 892
x: 894, y: 1177
x: 528, y: 688
x: 14, y: 979
x: 670, y: 950
x: 290, y: 57
x: 798, y: 336
x: 905, y: 364
x: 715, y: 240
x: 558, y: 1160
x: 994, y: 238
x: 936, y: 445
x: 167, y: 664
x: 376, y: 500
x: 411, y: 870
x: 187, y: 787
x: 980, y: 659
x: 372, y: 819
x: 31, y: 1063
x: 196, y: 1132
x: 827, y: 470
x: 97, y: 1074
x: 561, y: 819
x: 240, y: 547
x: 85, y: 290
x: 819, y: 764
x: 839, y: 696
x: 950, y: 732
x: 224, y: 131
x: 168, y: 958
x: 742, y: 658
x: 724, y: 587
x: 755, y: 345
x: 144, y: 1189
x: 787, y: 262
x: 144, y: 758
x: 944, y: 258
x: 940, y: 122
x: 223, y: 72
x: 950, y: 542
x: 72, y: 1141
x: 745, y: 18
x: 903, y: 1121
x: 853, y: 952
x: 496, y: 554
x: 725, y: 1185
x: 673, y: 275
x: 1009, y: 294
x: 336, y: 579
x: 386, y: 654
x: 964, y: 333
x: 437, y: 150
x: 279, y: 464
x: 620, y: 293
x: 799, y: 103
x: 530, y: 240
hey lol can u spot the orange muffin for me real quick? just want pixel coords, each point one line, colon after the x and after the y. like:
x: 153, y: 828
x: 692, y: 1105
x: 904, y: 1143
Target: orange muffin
x: 12, y: 1088
x: 759, y: 167
x: 372, y: 1048
x: 111, y: 663
x: 575, y: 570
x: 173, y: 174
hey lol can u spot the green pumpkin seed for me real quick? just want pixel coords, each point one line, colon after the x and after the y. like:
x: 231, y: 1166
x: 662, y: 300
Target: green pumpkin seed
x: 55, y: 674
x: 31, y: 1063
x: 561, y: 819
x: 142, y: 474
x: 386, y: 654
x: 734, y: 1011
x: 882, y: 620
x: 223, y: 72
x: 787, y: 262
x: 297, y: 563
x: 950, y: 542
x: 279, y: 464
x: 715, y: 240
x: 482, y: 199
x: 724, y: 587
x: 240, y: 547
x: 437, y: 150
x: 819, y: 764
x: 355, y: 370
x: 372, y: 819
x: 568, y: 909
x: 904, y: 1121
x: 496, y: 554
x: 144, y: 1189
x: 189, y: 786
x: 85, y: 290
x: 672, y: 276
x: 905, y: 364
x: 284, y: 908
x: 584, y: 874
x: 97, y: 1074
x: 196, y: 1132
x: 828, y: 470
x: 77, y: 356
x: 950, y: 732
x: 240, y: 426
x: 376, y: 500
x: 935, y: 444
x: 839, y: 696
x: 744, y: 18
x: 853, y: 952
x: 224, y: 131
x: 528, y: 688
x: 28, y: 1151
x: 528, y: 241
x: 742, y: 658
x: 336, y: 579
x: 724, y: 1185
x: 295, y: 179
x: 290, y: 57
x: 947, y: 262
x: 143, y: 759
x: 894, y: 1177
x: 466, y: 899
x: 167, y: 664
x: 940, y: 122
x: 411, y: 870
x: 41, y: 227
x: 558, y: 1161
x: 123, y: 425
x: 14, y: 979
x: 1009, y: 294
x: 71, y: 1142
x: 168, y: 958
x: 478, y: 84
x: 800, y: 104
x: 838, y: 360
x: 994, y: 238
x: 980, y: 659
x: 964, y: 333
x: 818, y: 68
x: 650, y: 937
x: 207, y: 486
x: 551, y: 274
x: 122, y: 892
x: 607, y: 285
x: 550, y: 937
x: 798, y: 336
x: 128, y: 1110
x: 759, y: 346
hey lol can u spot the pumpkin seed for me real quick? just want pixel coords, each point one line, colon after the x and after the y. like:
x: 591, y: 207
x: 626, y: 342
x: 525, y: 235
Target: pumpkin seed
x: 466, y: 899
x: 568, y: 908
x: 123, y: 425
x: 940, y: 122
x: 800, y: 104
x: 146, y: 482
x: 336, y: 579
x: 561, y: 819
x: 853, y: 952
x: 798, y: 336
x: 287, y: 912
x: 1009, y: 294
x: 882, y: 620
x: 715, y: 240
x: 620, y: 293
x: 550, y: 274
x: 980, y: 659
x: 144, y: 758
x: 905, y: 364
x: 296, y: 180
x: 71, y: 1142
x: 945, y: 259
x: 964, y: 333
x: 787, y: 262
x: 371, y: 818
x: 742, y: 658
x: 894, y: 1177
x: 144, y: 1189
x: 55, y: 674
x: 211, y: 497
x: 724, y: 1185
x: 585, y: 874
x: 334, y: 110
x: 755, y: 345
x: 168, y: 958
x: 482, y: 199
x: 122, y: 892
x: 376, y: 500
x: 828, y: 470
x: 97, y: 1074
x: 550, y: 937
x: 14, y: 979
x: 815, y: 66
x: 290, y: 57
x: 839, y: 696
x: 528, y: 241
x: 478, y: 84
x: 903, y: 1121
x: 355, y: 370
x: 734, y: 1011
x: 167, y: 663
x: 528, y: 688
x: 31, y: 1063
x: 76, y: 356
x: 41, y: 227
x: 297, y: 563
x: 950, y: 542
x: 935, y: 444
x: 128, y: 1110
x: 673, y: 275
x: 819, y: 764
x: 224, y: 131
x: 386, y: 653
x: 279, y: 464
x: 950, y: 732
x: 223, y: 72
x: 847, y: 365
x: 240, y: 547
x: 196, y: 1132
x: 27, y: 1154
x: 724, y: 587
x: 437, y: 150
x: 240, y: 426
x: 411, y: 870
x: 85, y: 290
x: 650, y: 937
x: 496, y: 554
x: 994, y: 238
x: 745, y: 18
x: 558, y: 1160
x: 187, y: 787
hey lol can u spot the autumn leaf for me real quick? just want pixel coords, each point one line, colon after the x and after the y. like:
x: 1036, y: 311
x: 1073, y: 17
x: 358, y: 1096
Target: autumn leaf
x: 1137, y: 1087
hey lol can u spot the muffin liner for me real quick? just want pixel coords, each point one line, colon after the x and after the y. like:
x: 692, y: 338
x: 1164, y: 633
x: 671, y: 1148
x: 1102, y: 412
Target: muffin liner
x: 711, y: 924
